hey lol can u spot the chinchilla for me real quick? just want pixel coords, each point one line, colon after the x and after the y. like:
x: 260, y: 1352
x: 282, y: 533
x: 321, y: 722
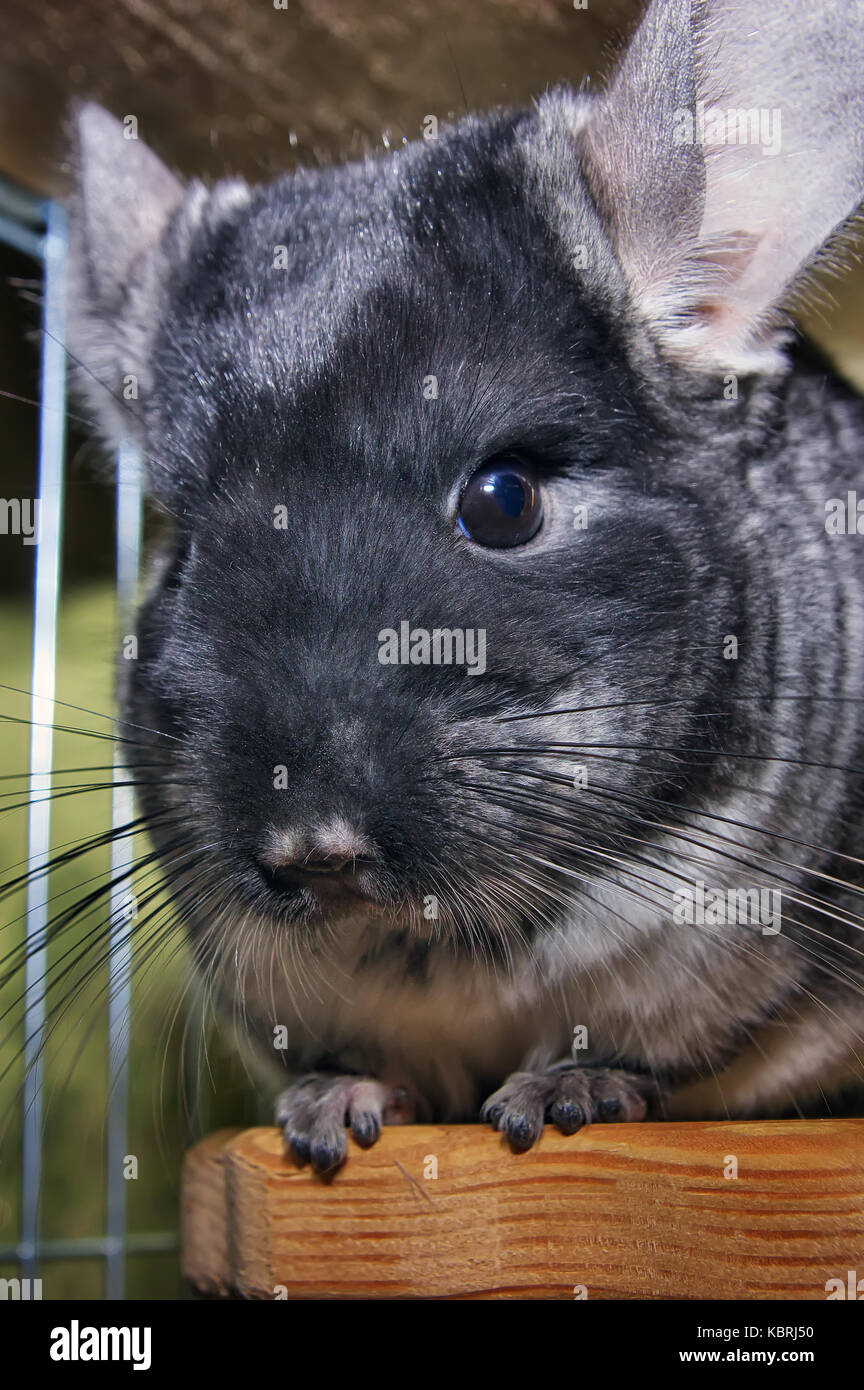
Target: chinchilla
x: 498, y: 711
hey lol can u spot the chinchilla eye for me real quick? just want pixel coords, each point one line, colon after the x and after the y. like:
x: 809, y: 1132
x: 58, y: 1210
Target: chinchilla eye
x: 501, y: 505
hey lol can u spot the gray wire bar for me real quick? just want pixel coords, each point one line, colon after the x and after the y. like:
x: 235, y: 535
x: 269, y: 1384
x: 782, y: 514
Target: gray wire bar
x: 38, y: 229
x: 22, y: 220
x: 96, y: 1247
x: 122, y: 901
x: 24, y: 240
x: 25, y: 210
x: 52, y: 425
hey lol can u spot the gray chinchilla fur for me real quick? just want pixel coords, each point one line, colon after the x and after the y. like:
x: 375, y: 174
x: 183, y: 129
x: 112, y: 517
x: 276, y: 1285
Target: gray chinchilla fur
x: 499, y: 702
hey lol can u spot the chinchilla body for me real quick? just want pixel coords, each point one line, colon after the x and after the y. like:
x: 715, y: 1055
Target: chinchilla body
x: 449, y: 786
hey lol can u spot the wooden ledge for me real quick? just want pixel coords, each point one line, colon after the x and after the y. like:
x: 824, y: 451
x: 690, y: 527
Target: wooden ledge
x: 627, y: 1211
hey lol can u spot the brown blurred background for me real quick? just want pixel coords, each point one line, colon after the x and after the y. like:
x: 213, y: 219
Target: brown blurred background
x: 222, y: 85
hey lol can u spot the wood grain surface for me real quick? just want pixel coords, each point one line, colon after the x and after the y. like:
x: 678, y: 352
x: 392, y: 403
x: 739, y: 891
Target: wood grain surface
x: 614, y: 1212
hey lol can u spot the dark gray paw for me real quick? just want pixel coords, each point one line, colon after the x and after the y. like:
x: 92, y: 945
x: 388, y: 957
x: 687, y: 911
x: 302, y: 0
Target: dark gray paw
x: 567, y: 1094
x: 314, y: 1112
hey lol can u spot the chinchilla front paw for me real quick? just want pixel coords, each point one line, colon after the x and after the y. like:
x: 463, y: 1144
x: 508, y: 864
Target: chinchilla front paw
x: 314, y: 1112
x: 570, y: 1096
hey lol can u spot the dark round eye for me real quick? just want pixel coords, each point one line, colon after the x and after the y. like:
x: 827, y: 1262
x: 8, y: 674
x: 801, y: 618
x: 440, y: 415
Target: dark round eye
x: 501, y: 505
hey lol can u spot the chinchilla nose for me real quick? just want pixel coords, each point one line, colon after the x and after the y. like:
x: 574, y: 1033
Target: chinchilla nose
x: 317, y: 863
x: 335, y: 850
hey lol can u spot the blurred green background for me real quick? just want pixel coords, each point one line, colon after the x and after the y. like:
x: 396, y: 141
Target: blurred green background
x: 171, y: 1093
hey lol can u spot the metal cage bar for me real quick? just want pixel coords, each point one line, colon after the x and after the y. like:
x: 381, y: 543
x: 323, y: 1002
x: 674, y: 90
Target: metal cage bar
x: 122, y: 901
x: 37, y: 228
x: 52, y: 430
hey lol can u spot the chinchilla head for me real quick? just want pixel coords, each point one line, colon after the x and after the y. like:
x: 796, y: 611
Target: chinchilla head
x: 456, y: 447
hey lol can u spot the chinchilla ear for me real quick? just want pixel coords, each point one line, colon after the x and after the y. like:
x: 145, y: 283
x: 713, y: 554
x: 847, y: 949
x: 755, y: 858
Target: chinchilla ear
x: 125, y: 197
x: 132, y: 224
x: 123, y: 201
x: 727, y: 150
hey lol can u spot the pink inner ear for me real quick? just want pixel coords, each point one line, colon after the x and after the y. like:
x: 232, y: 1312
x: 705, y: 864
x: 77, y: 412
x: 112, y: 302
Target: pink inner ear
x: 730, y: 255
x: 713, y: 230
x: 716, y: 271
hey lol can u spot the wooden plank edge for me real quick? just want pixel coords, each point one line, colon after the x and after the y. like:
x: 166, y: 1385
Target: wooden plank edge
x: 616, y: 1211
